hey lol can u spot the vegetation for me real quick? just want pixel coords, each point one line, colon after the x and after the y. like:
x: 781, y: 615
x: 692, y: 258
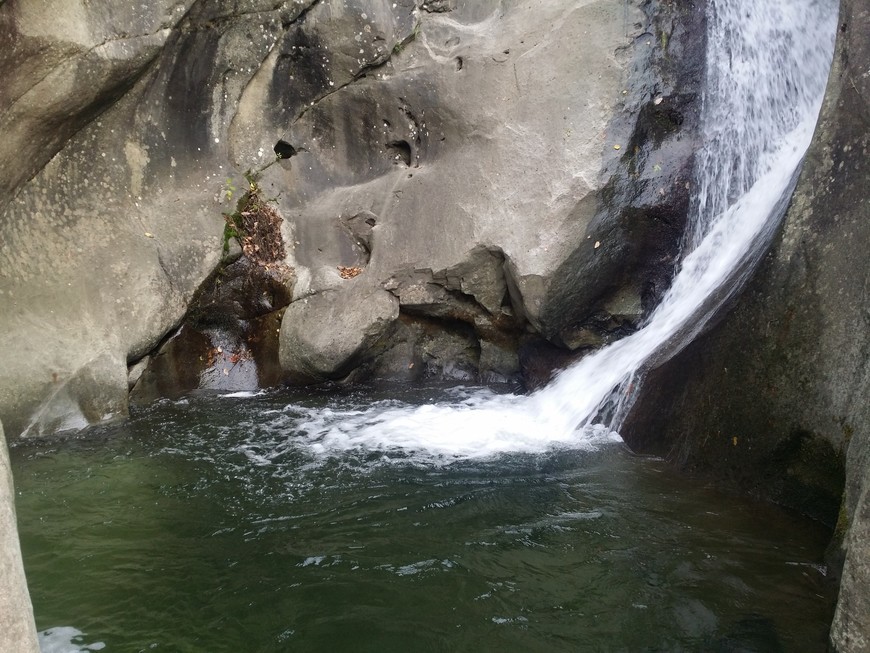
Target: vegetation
x: 256, y: 225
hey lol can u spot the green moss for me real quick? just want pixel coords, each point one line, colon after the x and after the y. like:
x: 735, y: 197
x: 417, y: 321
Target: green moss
x: 231, y: 231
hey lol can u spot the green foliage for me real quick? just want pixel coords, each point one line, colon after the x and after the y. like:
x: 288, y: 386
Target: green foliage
x: 229, y: 189
x: 233, y: 227
x: 231, y: 230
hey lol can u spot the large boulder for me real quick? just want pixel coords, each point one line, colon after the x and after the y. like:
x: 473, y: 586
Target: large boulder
x: 17, y: 630
x: 327, y: 335
x: 774, y: 399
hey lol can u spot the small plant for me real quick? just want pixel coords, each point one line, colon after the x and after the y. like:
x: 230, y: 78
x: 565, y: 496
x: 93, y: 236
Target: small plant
x: 229, y: 189
x: 401, y: 45
x: 256, y: 225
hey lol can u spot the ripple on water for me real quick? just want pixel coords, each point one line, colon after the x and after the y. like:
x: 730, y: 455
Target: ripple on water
x: 167, y: 531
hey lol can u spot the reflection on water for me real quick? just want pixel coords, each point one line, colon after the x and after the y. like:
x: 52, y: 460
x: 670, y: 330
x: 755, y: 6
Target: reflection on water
x: 211, y: 525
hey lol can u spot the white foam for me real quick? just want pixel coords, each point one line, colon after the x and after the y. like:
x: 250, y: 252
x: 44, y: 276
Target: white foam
x: 242, y: 394
x: 482, y: 426
x: 66, y: 639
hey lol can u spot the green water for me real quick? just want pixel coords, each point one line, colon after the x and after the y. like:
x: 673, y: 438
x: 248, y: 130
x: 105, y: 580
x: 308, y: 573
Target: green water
x: 207, y: 525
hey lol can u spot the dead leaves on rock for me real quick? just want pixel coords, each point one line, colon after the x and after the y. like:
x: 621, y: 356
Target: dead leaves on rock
x: 217, y: 355
x: 258, y: 228
x: 261, y: 225
x: 349, y: 272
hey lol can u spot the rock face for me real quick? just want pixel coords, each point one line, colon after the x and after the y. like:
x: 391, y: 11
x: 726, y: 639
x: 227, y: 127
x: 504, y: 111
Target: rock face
x: 17, y: 630
x: 100, y: 253
x: 774, y: 399
x: 480, y: 174
x: 506, y: 190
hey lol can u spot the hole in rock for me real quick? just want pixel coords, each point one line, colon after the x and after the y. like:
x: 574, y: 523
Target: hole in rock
x: 400, y: 151
x: 284, y: 150
x: 459, y: 63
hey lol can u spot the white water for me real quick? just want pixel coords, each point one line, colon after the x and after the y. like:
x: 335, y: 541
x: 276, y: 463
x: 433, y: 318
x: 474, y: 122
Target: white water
x: 767, y: 68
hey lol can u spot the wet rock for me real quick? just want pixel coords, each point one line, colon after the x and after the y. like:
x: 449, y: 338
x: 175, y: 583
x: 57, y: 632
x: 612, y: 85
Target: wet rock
x: 431, y: 349
x: 229, y: 338
x: 241, y: 356
x: 540, y: 361
x: 632, y: 240
x: 498, y: 363
x: 468, y: 301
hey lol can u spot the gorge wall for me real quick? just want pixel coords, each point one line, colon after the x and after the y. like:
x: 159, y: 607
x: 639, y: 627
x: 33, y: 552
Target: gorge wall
x: 461, y: 196
x: 432, y: 187
x: 17, y: 632
x: 774, y: 399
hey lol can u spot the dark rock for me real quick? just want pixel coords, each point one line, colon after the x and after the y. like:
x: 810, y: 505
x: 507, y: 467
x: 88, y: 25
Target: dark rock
x: 540, y: 360
x: 228, y: 340
x: 422, y: 348
x: 632, y: 243
x: 467, y: 300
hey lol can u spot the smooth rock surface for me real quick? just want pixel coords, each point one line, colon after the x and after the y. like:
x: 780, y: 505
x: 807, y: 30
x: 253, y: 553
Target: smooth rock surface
x: 105, y: 246
x: 480, y: 154
x: 325, y: 336
x: 17, y: 630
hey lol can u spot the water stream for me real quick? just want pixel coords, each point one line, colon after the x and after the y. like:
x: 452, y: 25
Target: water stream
x: 465, y: 518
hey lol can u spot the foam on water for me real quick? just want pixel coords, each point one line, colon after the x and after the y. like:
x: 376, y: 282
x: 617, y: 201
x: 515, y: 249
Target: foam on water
x: 66, y: 639
x: 766, y: 74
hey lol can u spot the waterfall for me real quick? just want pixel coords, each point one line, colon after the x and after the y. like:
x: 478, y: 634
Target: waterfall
x: 767, y: 66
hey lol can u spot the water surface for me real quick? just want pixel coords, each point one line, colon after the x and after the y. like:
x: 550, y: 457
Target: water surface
x: 215, y: 524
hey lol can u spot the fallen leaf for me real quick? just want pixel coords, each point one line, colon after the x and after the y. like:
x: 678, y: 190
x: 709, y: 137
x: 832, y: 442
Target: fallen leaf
x: 349, y: 272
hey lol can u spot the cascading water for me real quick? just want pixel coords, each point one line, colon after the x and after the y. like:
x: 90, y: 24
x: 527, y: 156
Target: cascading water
x: 767, y: 66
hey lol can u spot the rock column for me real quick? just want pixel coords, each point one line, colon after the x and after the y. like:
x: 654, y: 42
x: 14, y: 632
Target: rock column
x: 17, y: 630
